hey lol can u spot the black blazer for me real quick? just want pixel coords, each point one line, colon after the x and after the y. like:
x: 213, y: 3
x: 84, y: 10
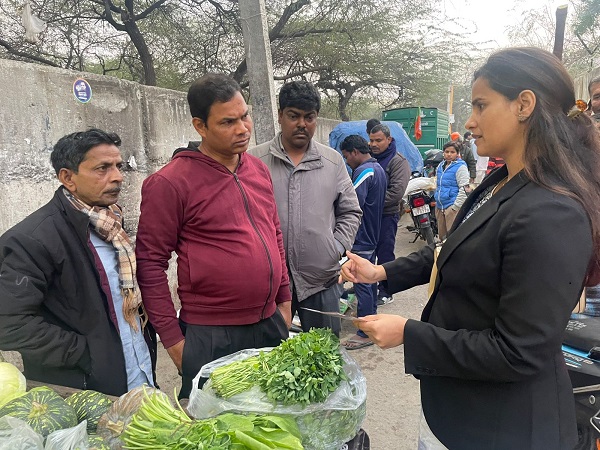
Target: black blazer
x: 488, y: 347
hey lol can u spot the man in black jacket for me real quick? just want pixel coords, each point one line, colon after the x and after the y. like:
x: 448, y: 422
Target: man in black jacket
x: 69, y: 301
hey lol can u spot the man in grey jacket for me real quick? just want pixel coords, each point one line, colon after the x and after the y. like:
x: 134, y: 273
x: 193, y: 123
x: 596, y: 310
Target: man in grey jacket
x: 317, y: 205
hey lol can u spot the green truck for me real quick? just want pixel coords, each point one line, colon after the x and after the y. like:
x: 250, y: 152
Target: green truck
x: 434, y: 126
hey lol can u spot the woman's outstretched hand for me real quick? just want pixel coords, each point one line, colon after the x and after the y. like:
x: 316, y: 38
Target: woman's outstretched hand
x: 385, y: 330
x: 360, y: 270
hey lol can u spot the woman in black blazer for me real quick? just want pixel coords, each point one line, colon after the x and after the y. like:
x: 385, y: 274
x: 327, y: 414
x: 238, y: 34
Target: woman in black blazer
x: 488, y: 347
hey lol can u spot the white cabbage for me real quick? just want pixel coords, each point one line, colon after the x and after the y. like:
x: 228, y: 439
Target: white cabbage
x: 12, y: 383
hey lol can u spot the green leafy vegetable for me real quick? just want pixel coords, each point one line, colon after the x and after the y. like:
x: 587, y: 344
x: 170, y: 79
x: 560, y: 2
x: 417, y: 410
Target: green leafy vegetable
x: 304, y: 369
x: 157, y: 425
x: 234, y: 378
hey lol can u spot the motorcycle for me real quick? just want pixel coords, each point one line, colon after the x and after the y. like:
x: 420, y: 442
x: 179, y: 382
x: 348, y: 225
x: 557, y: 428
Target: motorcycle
x: 581, y: 350
x: 419, y: 199
x: 421, y: 206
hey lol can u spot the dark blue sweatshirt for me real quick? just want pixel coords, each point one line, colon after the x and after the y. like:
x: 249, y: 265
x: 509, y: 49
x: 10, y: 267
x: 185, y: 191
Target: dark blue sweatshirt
x: 370, y: 183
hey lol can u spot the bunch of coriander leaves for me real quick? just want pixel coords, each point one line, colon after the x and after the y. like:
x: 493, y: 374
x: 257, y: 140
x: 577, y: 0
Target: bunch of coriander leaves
x: 304, y: 369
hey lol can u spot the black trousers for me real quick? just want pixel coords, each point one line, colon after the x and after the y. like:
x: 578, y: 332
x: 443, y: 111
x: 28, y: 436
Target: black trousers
x: 205, y: 343
x: 326, y: 300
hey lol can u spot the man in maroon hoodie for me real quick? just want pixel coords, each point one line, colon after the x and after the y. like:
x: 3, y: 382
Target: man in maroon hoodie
x: 214, y: 206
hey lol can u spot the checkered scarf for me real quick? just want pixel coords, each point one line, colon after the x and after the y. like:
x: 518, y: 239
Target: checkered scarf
x: 106, y: 221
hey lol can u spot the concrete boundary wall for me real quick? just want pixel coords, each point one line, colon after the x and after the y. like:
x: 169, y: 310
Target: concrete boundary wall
x: 37, y: 107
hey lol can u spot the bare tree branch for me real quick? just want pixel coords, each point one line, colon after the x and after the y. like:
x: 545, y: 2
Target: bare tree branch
x: 108, y: 10
x: 302, y: 33
x: 149, y: 10
x: 287, y: 76
x: 15, y: 52
x: 287, y: 14
x: 585, y: 47
x: 111, y: 5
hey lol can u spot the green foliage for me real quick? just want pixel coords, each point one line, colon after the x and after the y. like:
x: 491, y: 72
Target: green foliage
x: 588, y: 16
x: 235, y: 378
x: 586, y: 28
x: 380, y: 53
x: 582, y: 34
x: 366, y: 52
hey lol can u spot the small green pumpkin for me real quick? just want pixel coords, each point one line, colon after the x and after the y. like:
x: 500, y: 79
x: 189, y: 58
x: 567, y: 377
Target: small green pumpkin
x: 43, y: 409
x: 96, y: 442
x: 90, y: 405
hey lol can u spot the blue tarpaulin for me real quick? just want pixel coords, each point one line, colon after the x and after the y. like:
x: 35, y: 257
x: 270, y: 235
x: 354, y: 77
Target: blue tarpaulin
x: 403, y: 144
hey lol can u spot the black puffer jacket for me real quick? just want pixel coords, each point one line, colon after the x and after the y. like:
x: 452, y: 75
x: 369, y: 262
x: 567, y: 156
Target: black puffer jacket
x: 53, y: 309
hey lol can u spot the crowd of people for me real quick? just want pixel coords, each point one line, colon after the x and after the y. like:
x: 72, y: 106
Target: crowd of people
x: 260, y: 234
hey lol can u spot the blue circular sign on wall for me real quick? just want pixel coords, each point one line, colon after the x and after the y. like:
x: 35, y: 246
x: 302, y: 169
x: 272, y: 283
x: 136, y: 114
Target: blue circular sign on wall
x: 82, y: 90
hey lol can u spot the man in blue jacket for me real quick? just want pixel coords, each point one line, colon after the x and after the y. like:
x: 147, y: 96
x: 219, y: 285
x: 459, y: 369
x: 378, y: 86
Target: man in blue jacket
x: 370, y: 183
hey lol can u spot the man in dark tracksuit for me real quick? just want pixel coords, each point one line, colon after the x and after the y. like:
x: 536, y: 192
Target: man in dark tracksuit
x: 370, y: 183
x: 60, y: 304
x: 397, y: 168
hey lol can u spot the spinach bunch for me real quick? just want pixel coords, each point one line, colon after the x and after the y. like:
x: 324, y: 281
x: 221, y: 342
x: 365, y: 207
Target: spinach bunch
x: 157, y: 425
x: 304, y: 369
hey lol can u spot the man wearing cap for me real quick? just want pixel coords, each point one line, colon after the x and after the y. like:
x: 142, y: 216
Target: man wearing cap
x: 466, y: 154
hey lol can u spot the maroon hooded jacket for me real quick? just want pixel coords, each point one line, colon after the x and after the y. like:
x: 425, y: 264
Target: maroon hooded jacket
x: 225, y: 230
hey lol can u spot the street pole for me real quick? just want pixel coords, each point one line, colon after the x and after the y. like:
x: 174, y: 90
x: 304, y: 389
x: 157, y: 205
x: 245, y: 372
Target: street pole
x: 450, y: 102
x: 559, y: 32
x: 260, y: 68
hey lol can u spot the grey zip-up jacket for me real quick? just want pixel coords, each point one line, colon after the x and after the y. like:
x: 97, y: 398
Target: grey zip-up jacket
x: 318, y: 210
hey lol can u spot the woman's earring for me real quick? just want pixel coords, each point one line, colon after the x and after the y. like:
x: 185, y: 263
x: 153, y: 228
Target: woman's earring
x: 522, y: 118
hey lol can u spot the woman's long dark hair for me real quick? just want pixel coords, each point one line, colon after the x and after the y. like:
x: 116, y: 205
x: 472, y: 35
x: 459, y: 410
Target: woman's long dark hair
x: 562, y: 153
